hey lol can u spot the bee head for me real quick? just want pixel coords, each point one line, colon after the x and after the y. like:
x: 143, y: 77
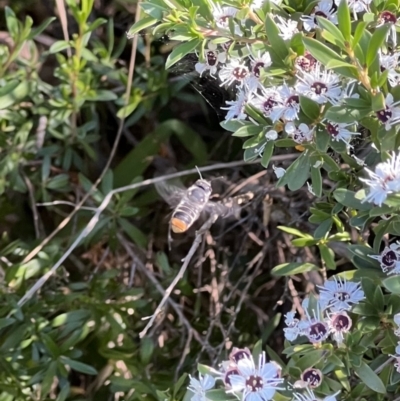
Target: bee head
x: 204, y: 185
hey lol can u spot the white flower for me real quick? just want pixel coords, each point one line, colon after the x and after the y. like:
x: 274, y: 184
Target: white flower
x: 271, y: 135
x: 199, y: 387
x: 279, y: 171
x: 323, y: 9
x: 389, y: 259
x: 235, y: 71
x: 339, y: 323
x: 305, y: 62
x: 266, y: 101
x: 300, y: 134
x: 257, y: 64
x: 390, y: 62
x: 256, y: 383
x: 236, y: 107
x: 339, y: 294
x: 212, y: 59
x: 384, y: 181
x: 310, y: 396
x: 222, y: 15
x: 339, y: 131
x: 292, y: 330
x: 320, y: 86
x: 391, y: 114
x: 287, y: 27
x: 288, y: 104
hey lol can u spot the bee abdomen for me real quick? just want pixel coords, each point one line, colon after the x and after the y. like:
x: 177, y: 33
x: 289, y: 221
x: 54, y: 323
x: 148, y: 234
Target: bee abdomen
x: 181, y: 220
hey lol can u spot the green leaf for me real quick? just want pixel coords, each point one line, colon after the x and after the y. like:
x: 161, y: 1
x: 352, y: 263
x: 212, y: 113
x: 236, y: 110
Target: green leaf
x: 142, y: 24
x: 361, y: 25
x: 336, y: 37
x: 181, y: 51
x: 370, y: 378
x: 146, y: 350
x: 392, y: 284
x: 345, y: 114
x: 344, y: 20
x: 248, y: 130
x: 277, y: 43
x: 133, y: 232
x: 79, y: 366
x: 316, y: 180
x: 378, y: 38
x: 348, y: 199
x: 310, y: 108
x: 378, y: 102
x: 320, y: 51
x: 268, y: 151
x: 328, y: 256
x: 288, y: 269
x: 311, y: 359
x: 15, y: 95
x: 323, y: 229
x: 295, y: 232
x: 298, y: 172
x: 59, y: 46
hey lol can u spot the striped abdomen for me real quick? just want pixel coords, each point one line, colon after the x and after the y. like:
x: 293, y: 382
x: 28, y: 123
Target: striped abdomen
x: 190, y: 207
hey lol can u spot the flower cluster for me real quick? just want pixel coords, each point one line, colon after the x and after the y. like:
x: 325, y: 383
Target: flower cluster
x: 243, y: 377
x: 247, y: 68
x: 329, y: 316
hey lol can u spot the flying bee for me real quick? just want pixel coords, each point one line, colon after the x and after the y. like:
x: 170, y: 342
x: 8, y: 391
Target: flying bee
x: 190, y: 203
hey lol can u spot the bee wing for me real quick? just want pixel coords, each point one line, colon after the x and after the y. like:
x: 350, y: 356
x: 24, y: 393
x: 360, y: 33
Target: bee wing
x: 172, y: 194
x: 229, y: 206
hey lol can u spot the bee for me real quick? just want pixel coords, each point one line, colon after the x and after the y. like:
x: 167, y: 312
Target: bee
x: 190, y: 203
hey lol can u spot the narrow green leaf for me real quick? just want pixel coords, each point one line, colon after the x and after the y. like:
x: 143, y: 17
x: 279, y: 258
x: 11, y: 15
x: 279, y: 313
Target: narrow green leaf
x: 320, y: 51
x: 328, y: 26
x: 288, y: 269
x: 348, y: 199
x: 392, y: 284
x: 181, y: 51
x: 79, y: 366
x: 370, y: 378
x: 316, y: 181
x: 310, y: 108
x: 248, y: 130
x: 344, y: 20
x: 138, y: 26
x: 277, y: 43
x: 378, y: 38
x: 328, y: 256
x: 268, y: 151
x: 361, y: 25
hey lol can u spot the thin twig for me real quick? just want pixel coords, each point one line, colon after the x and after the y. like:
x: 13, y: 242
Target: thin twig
x: 93, y: 221
x: 160, y: 289
x: 31, y: 190
x: 64, y: 22
x: 181, y: 272
x: 60, y: 202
